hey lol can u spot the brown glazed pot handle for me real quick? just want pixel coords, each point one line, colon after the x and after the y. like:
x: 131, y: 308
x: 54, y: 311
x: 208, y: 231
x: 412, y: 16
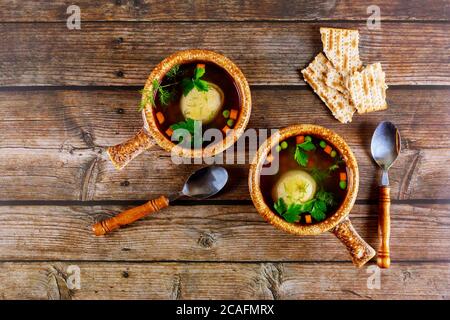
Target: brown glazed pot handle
x: 129, y: 216
x: 360, y: 251
x: 123, y: 153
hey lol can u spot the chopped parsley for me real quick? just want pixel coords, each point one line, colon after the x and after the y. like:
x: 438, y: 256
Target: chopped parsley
x: 317, y: 207
x: 300, y: 155
x: 196, y: 82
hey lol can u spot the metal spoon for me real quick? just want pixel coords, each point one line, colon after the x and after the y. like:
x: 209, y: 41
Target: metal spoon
x: 385, y: 148
x: 201, y: 184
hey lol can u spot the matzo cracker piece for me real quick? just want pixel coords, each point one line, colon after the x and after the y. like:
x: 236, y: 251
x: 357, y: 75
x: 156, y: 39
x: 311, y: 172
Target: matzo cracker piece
x: 341, y: 48
x: 335, y: 80
x: 315, y: 75
x: 367, y: 89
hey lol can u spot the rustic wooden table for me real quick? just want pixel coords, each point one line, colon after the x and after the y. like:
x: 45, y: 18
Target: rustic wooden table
x: 66, y: 94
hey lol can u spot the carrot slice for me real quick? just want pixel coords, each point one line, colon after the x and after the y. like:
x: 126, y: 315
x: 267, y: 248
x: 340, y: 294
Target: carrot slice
x: 201, y: 65
x: 299, y: 139
x: 160, y: 117
x: 169, y: 132
x: 225, y: 129
x: 308, y: 219
x: 327, y: 149
x: 233, y: 114
x: 342, y: 176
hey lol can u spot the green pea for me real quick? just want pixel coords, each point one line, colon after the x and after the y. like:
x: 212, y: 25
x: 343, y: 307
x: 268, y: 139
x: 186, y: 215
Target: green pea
x: 226, y: 114
x: 333, y: 153
x: 308, y: 138
x: 278, y: 148
x: 230, y: 122
x: 284, y: 145
x: 322, y: 144
x: 343, y: 184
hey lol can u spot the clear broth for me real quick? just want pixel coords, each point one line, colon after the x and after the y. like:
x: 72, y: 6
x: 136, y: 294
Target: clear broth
x: 214, y: 74
x: 318, y: 160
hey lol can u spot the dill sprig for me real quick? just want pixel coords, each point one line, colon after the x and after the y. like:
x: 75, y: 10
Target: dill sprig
x: 164, y: 94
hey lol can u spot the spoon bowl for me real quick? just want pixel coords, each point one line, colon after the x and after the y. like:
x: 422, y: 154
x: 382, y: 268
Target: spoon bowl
x: 205, y: 182
x: 385, y: 146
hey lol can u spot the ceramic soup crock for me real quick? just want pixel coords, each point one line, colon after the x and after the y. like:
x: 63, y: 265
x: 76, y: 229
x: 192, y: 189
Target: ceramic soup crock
x: 150, y: 134
x: 339, y: 223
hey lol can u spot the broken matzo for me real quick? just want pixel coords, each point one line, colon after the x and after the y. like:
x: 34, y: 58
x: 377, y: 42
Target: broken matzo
x: 339, y: 104
x: 341, y: 48
x: 335, y: 79
x: 367, y: 89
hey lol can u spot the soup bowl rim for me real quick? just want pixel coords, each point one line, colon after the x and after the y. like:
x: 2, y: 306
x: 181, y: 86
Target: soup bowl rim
x: 352, y: 184
x: 200, y: 55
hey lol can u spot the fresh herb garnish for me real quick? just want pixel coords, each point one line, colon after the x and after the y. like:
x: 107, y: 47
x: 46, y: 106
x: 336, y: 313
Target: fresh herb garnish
x: 196, y: 82
x: 326, y: 197
x: 147, y: 97
x: 292, y: 213
x: 333, y: 167
x: 317, y: 207
x: 300, y: 155
x: 319, y: 175
x: 187, y: 85
x: 172, y: 74
x: 307, y: 146
x: 280, y: 206
x: 188, y: 125
x: 165, y: 95
x: 199, y: 72
x: 318, y: 210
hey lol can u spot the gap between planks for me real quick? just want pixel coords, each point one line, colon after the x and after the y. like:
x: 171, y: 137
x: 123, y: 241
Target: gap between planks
x: 213, y: 202
x: 253, y: 87
x: 243, y: 262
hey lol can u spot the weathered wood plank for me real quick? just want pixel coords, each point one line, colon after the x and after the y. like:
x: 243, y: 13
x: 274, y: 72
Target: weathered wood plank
x: 84, y: 118
x: 235, y: 10
x: 210, y: 233
x: 50, y: 143
x: 124, y: 53
x: 48, y: 280
x: 40, y: 174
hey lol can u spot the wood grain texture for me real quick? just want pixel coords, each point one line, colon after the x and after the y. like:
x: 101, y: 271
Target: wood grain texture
x: 89, y: 117
x: 52, y: 143
x: 127, y: 280
x: 234, y: 10
x: 42, y: 174
x: 124, y: 53
x: 52, y: 148
x: 210, y: 233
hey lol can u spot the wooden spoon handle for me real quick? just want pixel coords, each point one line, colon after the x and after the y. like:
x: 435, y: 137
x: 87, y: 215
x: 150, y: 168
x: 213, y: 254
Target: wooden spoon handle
x: 384, y: 227
x: 129, y: 216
